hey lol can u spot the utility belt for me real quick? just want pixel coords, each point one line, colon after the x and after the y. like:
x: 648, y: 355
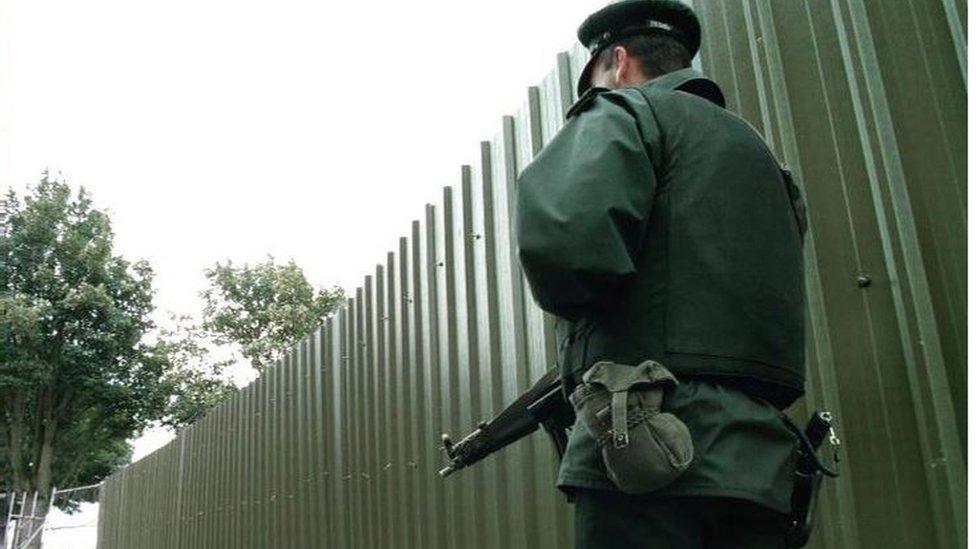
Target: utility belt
x: 645, y: 448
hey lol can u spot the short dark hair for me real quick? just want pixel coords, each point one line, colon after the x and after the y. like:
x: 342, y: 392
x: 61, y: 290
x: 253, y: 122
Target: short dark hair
x: 658, y: 53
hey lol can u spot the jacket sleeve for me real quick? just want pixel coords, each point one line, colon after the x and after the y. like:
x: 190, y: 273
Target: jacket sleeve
x: 583, y: 206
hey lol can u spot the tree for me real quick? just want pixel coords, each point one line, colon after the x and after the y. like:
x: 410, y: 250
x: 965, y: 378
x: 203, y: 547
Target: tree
x: 194, y: 380
x: 265, y: 308
x: 79, y: 372
x: 83, y: 368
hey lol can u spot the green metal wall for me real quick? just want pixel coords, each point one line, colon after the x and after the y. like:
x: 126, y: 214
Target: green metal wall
x: 337, y: 445
x: 866, y: 100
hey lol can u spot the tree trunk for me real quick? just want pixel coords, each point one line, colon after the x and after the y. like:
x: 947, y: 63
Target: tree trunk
x: 48, y: 426
x: 4, y: 507
x: 36, y: 524
x: 18, y: 414
x: 25, y: 529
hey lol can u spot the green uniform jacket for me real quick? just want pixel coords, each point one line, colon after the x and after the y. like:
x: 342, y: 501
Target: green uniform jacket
x: 658, y: 225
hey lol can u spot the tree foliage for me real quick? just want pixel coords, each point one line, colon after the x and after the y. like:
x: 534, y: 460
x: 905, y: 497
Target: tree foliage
x: 83, y: 367
x: 79, y: 372
x: 265, y: 308
x: 195, y: 379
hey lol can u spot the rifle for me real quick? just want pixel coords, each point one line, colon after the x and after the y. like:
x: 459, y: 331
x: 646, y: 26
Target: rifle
x: 542, y: 405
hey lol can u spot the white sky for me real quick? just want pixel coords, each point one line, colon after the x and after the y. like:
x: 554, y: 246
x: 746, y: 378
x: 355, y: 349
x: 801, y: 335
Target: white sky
x: 215, y: 129
x: 310, y: 130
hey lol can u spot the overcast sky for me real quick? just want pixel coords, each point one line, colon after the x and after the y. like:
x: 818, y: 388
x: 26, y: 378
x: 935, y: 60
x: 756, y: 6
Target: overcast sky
x: 216, y: 130
x: 309, y: 130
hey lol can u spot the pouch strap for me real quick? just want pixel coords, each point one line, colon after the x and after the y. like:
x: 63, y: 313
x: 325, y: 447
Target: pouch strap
x: 618, y: 415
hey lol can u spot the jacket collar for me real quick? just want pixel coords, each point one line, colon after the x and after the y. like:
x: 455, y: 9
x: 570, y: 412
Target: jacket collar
x: 690, y: 81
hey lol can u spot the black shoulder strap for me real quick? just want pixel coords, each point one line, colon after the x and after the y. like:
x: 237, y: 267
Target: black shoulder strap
x: 796, y: 201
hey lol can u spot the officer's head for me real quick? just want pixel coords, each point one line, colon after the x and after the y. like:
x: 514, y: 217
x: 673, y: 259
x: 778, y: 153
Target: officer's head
x: 632, y: 41
x: 637, y: 59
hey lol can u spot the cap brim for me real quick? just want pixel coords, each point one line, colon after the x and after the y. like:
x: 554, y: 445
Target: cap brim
x: 583, y: 83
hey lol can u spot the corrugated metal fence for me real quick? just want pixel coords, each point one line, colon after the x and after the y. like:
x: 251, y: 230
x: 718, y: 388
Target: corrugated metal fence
x: 336, y: 446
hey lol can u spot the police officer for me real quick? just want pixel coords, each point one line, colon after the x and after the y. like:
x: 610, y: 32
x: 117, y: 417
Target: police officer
x: 658, y: 226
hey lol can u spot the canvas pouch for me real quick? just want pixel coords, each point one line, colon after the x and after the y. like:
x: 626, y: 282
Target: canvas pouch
x: 643, y: 448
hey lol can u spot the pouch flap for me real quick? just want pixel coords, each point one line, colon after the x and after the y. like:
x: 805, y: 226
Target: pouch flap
x: 621, y: 377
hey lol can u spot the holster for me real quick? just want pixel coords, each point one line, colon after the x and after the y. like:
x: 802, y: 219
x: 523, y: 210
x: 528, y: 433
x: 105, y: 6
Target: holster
x: 807, y: 478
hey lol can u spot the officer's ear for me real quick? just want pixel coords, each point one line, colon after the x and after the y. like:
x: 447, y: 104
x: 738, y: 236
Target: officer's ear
x: 621, y: 65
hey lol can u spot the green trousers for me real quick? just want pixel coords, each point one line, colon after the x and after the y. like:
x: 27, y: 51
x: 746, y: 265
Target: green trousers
x: 612, y: 520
